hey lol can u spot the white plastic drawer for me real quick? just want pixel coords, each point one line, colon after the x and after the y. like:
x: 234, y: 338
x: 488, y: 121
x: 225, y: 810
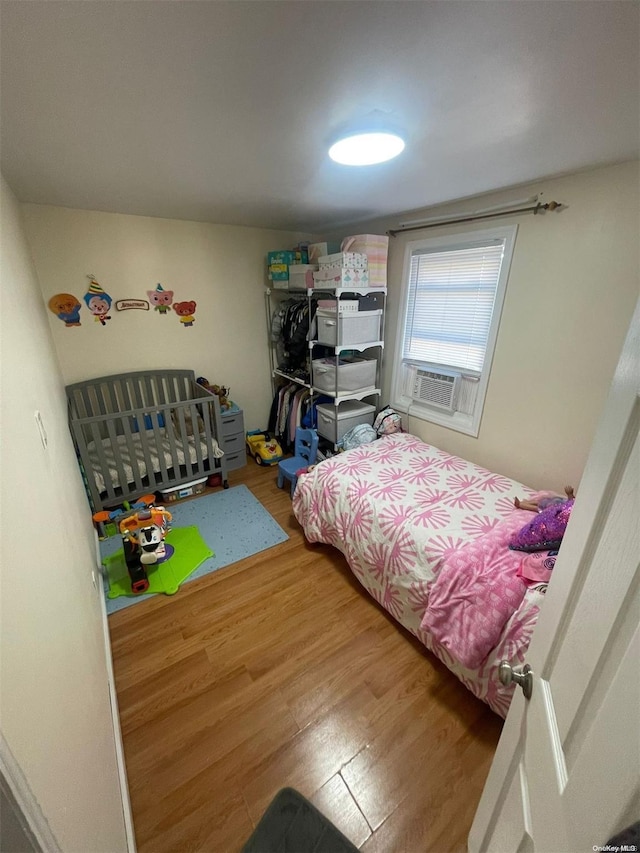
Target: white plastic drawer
x: 335, y: 422
x: 353, y: 374
x: 356, y: 327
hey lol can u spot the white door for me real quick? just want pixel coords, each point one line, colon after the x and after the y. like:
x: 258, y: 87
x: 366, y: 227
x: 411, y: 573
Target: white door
x: 566, y: 774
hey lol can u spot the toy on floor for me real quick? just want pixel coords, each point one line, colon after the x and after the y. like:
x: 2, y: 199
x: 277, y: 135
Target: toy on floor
x: 543, y: 503
x: 143, y: 535
x: 106, y: 521
x: 264, y: 449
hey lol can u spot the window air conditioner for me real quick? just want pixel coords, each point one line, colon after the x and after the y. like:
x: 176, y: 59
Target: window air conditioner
x: 436, y: 388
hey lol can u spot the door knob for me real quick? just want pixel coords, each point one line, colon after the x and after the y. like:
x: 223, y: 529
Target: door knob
x: 517, y: 675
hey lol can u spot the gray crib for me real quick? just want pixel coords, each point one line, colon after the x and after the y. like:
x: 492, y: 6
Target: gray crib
x: 143, y: 432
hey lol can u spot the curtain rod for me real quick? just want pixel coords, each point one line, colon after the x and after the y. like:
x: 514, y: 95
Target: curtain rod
x: 535, y: 209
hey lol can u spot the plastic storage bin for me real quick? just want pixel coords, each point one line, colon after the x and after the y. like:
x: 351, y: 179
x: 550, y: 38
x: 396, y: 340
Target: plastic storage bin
x: 353, y: 374
x: 348, y: 328
x: 335, y: 422
x: 342, y: 305
x: 186, y: 490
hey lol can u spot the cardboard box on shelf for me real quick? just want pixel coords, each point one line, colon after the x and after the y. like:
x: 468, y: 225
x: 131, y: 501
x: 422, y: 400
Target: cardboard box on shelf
x: 332, y: 277
x: 317, y: 249
x: 376, y: 248
x: 355, y: 260
x: 300, y: 276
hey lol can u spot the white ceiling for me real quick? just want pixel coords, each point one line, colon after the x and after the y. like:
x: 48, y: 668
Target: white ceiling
x: 222, y: 111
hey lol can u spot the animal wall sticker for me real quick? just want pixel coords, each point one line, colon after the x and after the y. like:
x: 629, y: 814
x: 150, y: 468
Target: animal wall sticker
x: 185, y: 311
x: 98, y: 302
x: 160, y: 298
x: 66, y: 307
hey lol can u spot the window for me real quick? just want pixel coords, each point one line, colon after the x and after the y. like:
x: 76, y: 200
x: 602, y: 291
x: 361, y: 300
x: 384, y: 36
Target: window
x: 453, y: 290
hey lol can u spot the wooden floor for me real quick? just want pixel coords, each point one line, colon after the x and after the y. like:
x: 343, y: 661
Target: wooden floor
x: 281, y: 671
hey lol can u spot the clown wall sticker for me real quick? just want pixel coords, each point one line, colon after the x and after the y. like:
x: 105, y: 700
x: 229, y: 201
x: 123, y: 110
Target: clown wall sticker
x: 98, y: 302
x: 66, y: 307
x: 160, y: 298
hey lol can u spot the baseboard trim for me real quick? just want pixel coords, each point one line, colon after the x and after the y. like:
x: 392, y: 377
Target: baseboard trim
x: 22, y: 795
x: 117, y: 731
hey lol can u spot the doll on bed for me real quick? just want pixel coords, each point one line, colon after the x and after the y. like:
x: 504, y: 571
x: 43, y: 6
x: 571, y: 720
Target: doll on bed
x: 543, y: 503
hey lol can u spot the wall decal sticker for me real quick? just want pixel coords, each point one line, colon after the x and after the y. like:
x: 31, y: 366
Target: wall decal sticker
x: 185, y: 310
x: 129, y: 304
x: 67, y: 308
x: 160, y: 298
x: 98, y: 302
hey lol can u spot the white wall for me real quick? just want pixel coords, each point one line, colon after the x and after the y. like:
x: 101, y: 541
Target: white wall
x: 55, y: 711
x: 572, y: 290
x: 573, y: 286
x: 222, y: 268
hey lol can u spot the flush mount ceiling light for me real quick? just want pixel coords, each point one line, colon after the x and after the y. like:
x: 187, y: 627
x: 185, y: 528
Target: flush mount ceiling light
x: 367, y: 148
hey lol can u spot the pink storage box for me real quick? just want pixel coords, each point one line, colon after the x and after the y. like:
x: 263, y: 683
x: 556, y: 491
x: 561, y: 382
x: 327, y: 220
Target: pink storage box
x: 355, y: 260
x: 376, y: 248
x: 331, y: 277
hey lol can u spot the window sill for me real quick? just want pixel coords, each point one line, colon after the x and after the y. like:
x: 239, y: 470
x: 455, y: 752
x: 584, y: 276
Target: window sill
x: 467, y: 424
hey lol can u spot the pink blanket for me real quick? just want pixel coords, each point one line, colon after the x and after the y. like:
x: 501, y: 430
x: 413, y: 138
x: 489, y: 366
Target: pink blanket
x: 476, y: 592
x: 404, y: 514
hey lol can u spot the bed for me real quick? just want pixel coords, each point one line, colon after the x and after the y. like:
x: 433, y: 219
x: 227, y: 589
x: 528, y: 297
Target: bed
x: 144, y: 431
x: 427, y: 534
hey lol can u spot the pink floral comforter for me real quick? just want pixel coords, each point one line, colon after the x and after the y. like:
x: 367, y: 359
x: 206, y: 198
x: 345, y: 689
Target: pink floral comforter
x: 425, y: 533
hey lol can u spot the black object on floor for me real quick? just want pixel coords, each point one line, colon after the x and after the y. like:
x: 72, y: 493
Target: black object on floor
x: 291, y: 824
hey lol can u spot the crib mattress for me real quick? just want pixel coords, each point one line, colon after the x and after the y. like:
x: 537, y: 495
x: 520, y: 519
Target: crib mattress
x: 121, y: 448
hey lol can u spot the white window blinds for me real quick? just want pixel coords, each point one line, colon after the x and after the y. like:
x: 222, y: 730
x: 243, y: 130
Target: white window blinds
x: 450, y: 304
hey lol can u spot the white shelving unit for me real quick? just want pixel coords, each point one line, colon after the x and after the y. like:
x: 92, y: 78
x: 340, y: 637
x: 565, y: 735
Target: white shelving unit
x: 374, y: 349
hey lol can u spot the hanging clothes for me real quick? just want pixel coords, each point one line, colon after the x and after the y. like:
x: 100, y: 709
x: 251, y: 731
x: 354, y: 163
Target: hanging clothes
x: 290, y: 324
x: 290, y: 405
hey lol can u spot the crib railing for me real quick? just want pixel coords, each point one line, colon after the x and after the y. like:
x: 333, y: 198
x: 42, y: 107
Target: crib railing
x: 124, y: 392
